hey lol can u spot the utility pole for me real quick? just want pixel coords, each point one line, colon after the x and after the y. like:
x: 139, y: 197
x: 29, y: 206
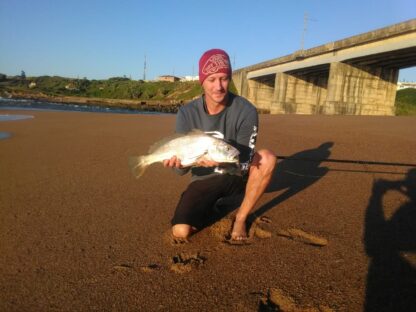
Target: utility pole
x: 305, y: 28
x: 144, y: 69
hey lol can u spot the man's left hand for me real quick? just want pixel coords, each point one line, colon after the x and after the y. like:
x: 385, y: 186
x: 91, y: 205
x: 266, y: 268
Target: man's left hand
x: 204, y: 162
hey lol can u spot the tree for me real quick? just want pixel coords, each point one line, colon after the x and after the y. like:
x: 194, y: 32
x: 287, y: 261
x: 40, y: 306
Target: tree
x: 23, y: 74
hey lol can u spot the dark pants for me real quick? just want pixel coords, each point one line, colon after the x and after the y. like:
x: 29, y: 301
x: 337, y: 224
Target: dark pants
x: 198, y: 200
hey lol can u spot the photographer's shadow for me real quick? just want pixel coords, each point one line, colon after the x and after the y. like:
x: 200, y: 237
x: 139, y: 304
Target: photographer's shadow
x: 390, y: 243
x: 295, y: 173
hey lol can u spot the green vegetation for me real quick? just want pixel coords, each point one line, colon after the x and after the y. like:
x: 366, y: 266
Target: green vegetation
x: 113, y: 88
x: 406, y: 102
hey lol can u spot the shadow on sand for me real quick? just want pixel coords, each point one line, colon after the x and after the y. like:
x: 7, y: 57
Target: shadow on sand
x: 291, y: 174
x: 390, y: 242
x: 294, y: 174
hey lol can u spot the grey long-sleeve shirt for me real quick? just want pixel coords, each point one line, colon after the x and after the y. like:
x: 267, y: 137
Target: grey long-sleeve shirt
x: 238, y: 123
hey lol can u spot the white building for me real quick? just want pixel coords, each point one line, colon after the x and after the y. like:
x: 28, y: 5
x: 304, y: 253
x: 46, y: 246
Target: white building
x: 190, y: 78
x: 404, y: 85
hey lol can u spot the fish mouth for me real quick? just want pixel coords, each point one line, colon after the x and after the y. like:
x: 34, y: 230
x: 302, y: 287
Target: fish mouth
x: 231, y: 159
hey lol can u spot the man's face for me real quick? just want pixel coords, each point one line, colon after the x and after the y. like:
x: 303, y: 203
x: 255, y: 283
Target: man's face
x: 216, y: 88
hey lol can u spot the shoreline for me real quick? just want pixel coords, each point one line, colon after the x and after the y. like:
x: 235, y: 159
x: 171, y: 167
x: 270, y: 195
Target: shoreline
x: 170, y: 106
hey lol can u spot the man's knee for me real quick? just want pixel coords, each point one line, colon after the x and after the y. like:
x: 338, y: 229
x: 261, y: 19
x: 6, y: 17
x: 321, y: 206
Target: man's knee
x: 265, y: 160
x: 182, y: 230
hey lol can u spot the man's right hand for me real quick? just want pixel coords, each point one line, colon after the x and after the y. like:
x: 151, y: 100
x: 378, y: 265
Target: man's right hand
x: 173, y: 162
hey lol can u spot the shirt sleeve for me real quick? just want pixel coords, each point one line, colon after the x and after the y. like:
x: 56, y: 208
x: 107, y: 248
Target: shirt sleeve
x: 246, y: 139
x: 181, y: 123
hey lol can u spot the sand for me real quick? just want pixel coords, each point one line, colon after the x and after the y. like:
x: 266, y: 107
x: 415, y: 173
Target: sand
x: 79, y: 233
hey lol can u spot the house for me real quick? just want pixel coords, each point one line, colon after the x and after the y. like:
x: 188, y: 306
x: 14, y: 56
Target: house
x: 404, y: 85
x: 190, y: 78
x: 168, y: 78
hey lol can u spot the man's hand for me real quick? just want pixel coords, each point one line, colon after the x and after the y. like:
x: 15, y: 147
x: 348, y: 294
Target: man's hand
x: 204, y: 162
x: 173, y: 162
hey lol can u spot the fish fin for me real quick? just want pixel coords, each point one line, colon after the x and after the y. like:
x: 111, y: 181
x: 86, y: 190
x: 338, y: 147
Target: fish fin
x: 196, y: 131
x: 215, y: 134
x: 191, y: 160
x: 169, y: 138
x: 163, y: 141
x: 137, y: 165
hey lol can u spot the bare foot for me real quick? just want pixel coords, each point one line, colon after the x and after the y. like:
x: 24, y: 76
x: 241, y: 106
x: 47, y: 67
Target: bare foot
x: 179, y: 240
x: 239, y: 231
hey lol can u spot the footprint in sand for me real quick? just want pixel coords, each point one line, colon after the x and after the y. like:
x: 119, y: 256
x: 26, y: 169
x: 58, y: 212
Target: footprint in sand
x: 262, y: 233
x: 303, y: 237
x: 277, y: 300
x: 263, y: 219
x: 260, y: 226
x: 150, y: 268
x: 185, y: 262
x: 124, y: 267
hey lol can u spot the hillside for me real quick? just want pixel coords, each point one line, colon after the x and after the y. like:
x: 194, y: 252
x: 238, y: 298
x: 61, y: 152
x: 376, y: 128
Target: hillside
x: 113, y: 88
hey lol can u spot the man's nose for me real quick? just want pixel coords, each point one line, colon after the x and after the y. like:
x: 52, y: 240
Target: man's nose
x: 218, y: 84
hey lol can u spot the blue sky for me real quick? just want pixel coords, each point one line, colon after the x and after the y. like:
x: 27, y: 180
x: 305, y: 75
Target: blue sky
x: 103, y: 39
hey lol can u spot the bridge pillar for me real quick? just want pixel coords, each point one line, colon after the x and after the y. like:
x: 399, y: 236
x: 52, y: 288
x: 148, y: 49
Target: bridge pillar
x: 279, y: 94
x: 260, y: 93
x: 299, y: 94
x: 354, y: 90
x: 240, y: 82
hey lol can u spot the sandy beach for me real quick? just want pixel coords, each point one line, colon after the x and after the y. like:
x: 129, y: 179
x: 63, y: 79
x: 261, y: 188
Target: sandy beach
x: 79, y: 233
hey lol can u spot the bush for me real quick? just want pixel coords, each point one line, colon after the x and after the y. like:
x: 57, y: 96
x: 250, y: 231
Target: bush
x: 406, y: 102
x: 115, y: 88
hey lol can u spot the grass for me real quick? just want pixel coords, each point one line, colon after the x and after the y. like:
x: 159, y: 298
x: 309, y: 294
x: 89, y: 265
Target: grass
x: 406, y: 102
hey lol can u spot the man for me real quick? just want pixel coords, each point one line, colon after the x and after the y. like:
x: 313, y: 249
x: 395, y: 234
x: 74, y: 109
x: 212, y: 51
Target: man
x: 234, y: 119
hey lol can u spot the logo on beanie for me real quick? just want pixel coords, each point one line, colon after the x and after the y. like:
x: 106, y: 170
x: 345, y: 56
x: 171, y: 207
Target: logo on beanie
x: 216, y: 63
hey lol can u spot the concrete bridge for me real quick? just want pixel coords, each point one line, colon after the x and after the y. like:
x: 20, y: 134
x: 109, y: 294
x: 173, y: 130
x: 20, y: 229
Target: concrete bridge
x: 354, y: 76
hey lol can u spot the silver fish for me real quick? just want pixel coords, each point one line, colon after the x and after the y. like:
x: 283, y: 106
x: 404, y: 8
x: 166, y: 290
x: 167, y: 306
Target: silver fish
x: 189, y: 148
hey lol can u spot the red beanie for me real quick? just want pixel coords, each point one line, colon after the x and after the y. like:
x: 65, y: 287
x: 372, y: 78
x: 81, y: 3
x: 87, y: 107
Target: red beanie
x: 212, y: 62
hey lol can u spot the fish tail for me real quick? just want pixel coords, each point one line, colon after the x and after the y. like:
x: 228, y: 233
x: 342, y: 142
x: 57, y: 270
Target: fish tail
x: 138, y: 165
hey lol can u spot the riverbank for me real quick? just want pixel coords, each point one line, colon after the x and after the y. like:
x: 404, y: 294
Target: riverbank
x: 170, y: 106
x: 79, y: 232
x: 405, y: 100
